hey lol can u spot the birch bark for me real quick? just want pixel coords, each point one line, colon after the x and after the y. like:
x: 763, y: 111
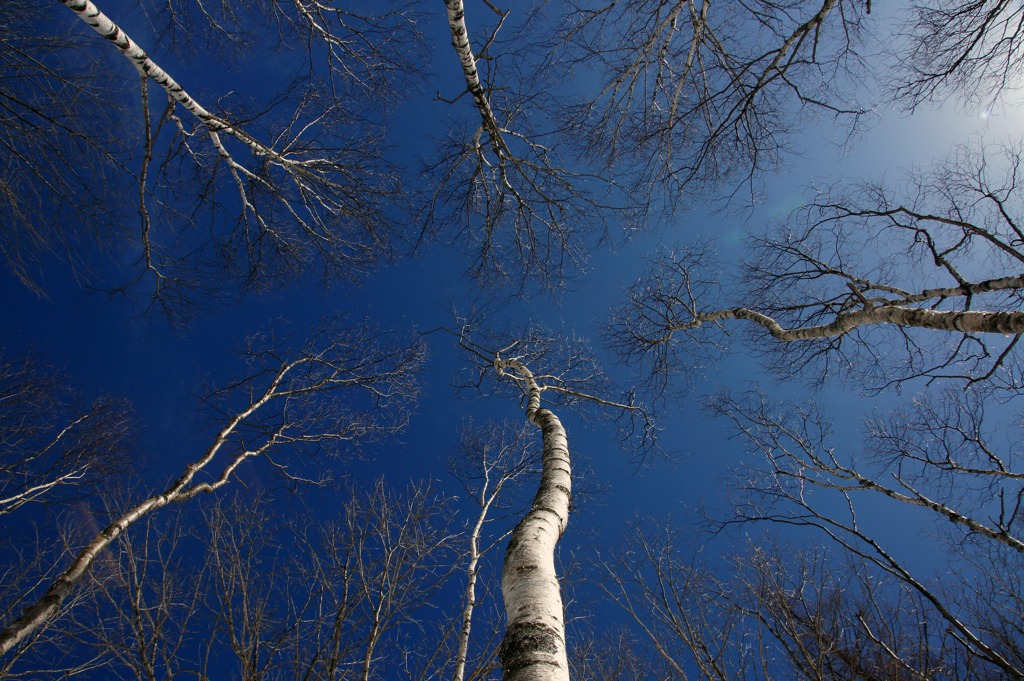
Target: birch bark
x: 485, y: 499
x: 472, y: 570
x: 534, y: 646
x: 105, y: 27
x: 460, y: 41
x: 968, y: 321
x: 309, y: 191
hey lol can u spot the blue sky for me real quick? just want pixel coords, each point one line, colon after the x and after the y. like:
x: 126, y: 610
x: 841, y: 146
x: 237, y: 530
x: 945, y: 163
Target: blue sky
x: 107, y: 348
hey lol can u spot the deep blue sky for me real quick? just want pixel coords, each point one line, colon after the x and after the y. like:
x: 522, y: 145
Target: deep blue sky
x: 106, y: 348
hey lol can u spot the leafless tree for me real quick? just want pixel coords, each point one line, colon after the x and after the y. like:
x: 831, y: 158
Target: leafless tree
x: 858, y: 283
x: 346, y: 385
x: 256, y: 590
x: 689, y: 93
x: 534, y: 645
x: 403, y: 555
x: 144, y: 613
x: 55, y: 111
x: 686, y: 96
x: 938, y: 455
x: 494, y: 458
x: 55, y: 453
x: 29, y: 561
x: 614, y: 656
x: 884, y: 286
x: 525, y: 213
x: 337, y: 599
x: 973, y: 51
x: 52, y: 449
x: 577, y: 381
x: 238, y: 585
x: 678, y: 607
x: 772, y: 611
x: 837, y: 617
x: 358, y: 50
x: 232, y: 193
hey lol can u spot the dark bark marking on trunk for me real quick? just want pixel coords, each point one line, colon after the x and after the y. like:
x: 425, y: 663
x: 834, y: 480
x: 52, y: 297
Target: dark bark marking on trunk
x: 522, y: 641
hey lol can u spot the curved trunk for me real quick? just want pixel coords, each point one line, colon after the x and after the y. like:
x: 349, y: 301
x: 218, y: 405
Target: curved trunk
x: 534, y: 644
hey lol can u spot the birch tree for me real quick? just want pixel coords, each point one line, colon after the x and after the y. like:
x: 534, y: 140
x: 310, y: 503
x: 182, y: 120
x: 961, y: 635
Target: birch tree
x: 335, y: 598
x: 239, y: 586
x: 693, y: 93
x: 534, y: 646
x: 685, y: 98
x: 347, y: 384
x: 494, y: 458
x: 939, y: 454
x: 145, y: 613
x: 628, y: 108
x: 236, y: 192
x: 889, y: 287
x: 359, y: 49
x: 972, y: 52
x: 30, y: 559
x: 524, y: 212
x: 857, y: 283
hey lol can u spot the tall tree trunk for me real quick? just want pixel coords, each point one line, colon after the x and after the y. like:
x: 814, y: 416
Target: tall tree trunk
x: 534, y: 645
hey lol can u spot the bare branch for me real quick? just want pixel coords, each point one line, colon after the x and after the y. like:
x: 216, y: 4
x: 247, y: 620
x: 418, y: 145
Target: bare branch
x: 855, y: 271
x: 807, y: 483
x: 53, y: 450
x: 298, y: 400
x: 523, y: 213
x: 972, y: 51
x: 693, y: 93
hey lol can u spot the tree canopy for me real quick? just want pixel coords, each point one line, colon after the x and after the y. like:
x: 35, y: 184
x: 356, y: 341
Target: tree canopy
x: 597, y: 339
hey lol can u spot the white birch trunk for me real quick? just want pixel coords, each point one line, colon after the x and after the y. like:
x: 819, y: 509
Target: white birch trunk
x: 460, y: 41
x: 968, y: 321
x: 534, y: 645
x: 88, y: 12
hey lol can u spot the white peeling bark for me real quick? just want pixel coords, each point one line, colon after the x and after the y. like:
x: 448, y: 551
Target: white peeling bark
x: 968, y: 321
x: 101, y: 23
x: 88, y: 12
x: 534, y: 645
